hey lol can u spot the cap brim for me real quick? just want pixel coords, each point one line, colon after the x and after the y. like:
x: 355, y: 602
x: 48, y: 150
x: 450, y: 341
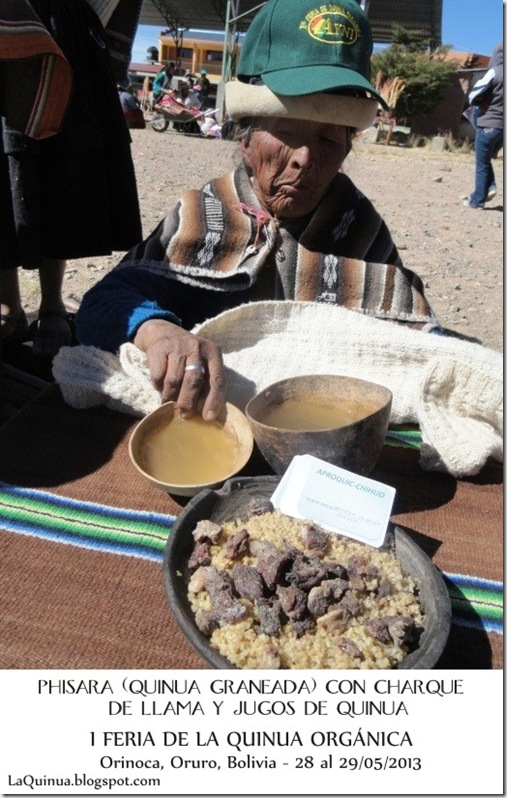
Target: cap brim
x: 246, y: 99
x: 317, y: 79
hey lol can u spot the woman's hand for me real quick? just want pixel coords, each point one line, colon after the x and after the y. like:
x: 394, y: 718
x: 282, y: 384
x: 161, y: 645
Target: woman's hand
x: 171, y: 351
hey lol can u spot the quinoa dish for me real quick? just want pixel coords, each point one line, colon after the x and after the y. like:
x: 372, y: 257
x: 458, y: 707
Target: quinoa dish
x: 271, y: 592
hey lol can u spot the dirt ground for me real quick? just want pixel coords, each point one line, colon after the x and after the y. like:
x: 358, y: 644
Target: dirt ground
x: 457, y: 251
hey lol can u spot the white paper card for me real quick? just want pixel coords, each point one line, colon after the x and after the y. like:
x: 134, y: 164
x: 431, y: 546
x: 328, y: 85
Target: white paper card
x: 339, y: 500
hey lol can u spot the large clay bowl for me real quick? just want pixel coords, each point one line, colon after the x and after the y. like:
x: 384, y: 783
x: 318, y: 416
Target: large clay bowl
x: 233, y: 427
x: 231, y: 501
x: 356, y: 446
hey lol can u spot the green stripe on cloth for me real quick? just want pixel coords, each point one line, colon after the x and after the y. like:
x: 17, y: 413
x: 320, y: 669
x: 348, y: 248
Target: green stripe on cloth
x: 87, y: 524
x: 404, y: 437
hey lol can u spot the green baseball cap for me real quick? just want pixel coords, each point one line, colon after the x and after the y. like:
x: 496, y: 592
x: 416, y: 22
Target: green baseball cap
x: 300, y: 47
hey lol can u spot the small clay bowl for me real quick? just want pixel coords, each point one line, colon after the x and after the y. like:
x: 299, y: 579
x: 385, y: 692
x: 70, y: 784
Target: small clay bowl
x: 193, y: 444
x: 355, y: 445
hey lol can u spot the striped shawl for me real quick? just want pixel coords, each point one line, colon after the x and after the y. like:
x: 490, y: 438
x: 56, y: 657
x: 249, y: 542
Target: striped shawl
x: 36, y: 78
x: 220, y: 238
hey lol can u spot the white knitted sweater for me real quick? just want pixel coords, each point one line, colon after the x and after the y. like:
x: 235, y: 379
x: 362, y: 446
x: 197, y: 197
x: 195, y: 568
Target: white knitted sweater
x: 451, y: 388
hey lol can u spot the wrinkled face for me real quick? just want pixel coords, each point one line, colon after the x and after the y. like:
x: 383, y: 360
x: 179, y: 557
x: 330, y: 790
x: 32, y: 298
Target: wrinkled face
x: 293, y: 162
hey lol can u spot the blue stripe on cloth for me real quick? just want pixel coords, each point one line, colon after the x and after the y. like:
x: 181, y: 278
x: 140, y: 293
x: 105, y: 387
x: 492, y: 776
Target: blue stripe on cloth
x: 90, y: 525
x: 476, y: 603
x: 125, y: 549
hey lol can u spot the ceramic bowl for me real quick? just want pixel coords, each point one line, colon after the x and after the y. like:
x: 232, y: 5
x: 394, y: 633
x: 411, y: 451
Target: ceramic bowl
x: 354, y: 445
x: 204, y: 454
x: 232, y: 501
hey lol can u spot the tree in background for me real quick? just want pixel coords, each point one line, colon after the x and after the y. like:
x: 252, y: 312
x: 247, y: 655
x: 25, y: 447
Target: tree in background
x: 419, y: 74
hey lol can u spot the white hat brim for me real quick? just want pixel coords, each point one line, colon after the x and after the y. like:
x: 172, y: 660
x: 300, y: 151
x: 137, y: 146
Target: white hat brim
x: 246, y: 99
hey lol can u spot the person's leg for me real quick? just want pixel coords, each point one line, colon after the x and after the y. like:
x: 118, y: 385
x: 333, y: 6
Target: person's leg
x: 492, y: 190
x: 491, y: 184
x: 54, y: 328
x: 486, y: 142
x: 51, y: 276
x: 12, y: 316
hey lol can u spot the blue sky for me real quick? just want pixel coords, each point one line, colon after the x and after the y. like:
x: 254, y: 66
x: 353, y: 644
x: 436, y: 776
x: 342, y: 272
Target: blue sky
x: 472, y: 25
x: 469, y: 25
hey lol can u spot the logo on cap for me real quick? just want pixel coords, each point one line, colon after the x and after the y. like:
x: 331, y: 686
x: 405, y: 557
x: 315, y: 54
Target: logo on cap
x: 331, y: 24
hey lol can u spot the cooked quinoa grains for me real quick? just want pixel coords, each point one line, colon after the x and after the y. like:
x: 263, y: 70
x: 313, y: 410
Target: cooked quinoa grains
x: 276, y: 592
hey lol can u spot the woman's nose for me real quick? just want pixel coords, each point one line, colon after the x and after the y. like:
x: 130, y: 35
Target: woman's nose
x: 302, y: 157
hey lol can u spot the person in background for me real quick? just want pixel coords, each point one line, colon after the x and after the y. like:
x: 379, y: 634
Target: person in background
x: 286, y: 224
x: 487, y: 97
x: 186, y: 96
x: 191, y: 98
x: 131, y: 111
x: 68, y: 191
x: 163, y: 81
x: 203, y: 88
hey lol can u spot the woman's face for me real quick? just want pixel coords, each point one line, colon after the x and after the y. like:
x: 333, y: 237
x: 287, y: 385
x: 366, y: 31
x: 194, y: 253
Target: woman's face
x: 293, y: 162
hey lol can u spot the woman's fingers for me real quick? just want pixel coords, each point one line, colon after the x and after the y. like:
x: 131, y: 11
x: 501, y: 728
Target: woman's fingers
x: 184, y: 368
x: 217, y: 384
x: 203, y: 378
x: 192, y: 387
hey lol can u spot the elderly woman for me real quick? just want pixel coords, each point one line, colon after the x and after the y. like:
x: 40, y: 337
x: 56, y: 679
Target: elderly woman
x: 286, y: 224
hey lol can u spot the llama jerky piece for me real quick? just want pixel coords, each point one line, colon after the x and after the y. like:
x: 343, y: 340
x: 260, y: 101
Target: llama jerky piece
x: 273, y: 567
x: 357, y: 564
x: 237, y: 544
x: 323, y: 596
x: 351, y: 603
x: 200, y: 556
x: 225, y: 605
x: 206, y: 621
x: 334, y: 569
x: 269, y: 611
x: 293, y: 601
x: 315, y: 537
x: 356, y: 571
x: 206, y: 530
x: 214, y: 580
x: 372, y: 577
x: 379, y: 630
x: 399, y: 629
x: 247, y: 581
x: 306, y: 572
x: 262, y: 549
x: 302, y: 625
